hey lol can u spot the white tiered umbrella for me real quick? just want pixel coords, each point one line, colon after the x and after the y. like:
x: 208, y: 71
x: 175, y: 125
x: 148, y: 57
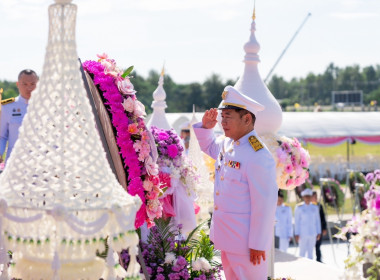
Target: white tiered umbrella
x: 59, y: 198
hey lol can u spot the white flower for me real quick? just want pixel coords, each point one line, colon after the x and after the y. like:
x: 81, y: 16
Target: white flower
x: 197, y: 265
x: 201, y: 264
x: 150, y: 166
x: 169, y: 258
x: 205, y: 264
x: 139, y: 110
x: 129, y: 105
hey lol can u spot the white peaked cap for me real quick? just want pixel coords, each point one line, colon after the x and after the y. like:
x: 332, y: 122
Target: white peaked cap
x: 307, y: 192
x: 234, y: 99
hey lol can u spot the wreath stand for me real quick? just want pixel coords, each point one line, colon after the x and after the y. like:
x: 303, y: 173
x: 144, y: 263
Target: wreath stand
x: 109, y: 143
x: 328, y: 182
x: 356, y: 205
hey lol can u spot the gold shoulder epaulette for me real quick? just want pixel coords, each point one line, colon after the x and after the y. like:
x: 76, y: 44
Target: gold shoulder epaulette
x: 8, y: 101
x: 255, y: 143
x: 286, y: 204
x: 314, y: 203
x: 301, y: 203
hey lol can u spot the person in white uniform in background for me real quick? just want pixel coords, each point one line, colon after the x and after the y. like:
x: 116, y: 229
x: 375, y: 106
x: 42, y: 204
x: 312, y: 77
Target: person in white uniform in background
x: 14, y: 110
x: 284, y: 224
x: 307, y: 224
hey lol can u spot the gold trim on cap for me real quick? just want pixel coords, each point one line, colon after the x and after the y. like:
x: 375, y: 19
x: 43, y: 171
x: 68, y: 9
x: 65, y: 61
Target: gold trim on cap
x: 234, y: 104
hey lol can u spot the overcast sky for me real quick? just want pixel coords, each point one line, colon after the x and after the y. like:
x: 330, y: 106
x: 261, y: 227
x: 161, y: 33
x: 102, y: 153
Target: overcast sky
x: 196, y: 38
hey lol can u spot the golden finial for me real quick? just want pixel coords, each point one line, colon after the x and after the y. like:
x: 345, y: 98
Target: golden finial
x: 254, y: 10
x: 1, y: 91
x: 163, y: 70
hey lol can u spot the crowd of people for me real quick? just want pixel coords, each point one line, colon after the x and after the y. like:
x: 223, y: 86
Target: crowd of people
x: 309, y: 225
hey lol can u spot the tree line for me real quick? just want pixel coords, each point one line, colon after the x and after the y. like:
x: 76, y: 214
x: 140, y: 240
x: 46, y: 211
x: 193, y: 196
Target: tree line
x: 307, y: 91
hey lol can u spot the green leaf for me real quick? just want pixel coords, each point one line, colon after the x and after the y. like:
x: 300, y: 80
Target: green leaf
x: 127, y: 72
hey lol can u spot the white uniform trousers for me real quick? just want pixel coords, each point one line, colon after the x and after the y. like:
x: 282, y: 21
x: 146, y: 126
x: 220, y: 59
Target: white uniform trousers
x: 307, y: 244
x: 284, y: 244
x: 239, y: 267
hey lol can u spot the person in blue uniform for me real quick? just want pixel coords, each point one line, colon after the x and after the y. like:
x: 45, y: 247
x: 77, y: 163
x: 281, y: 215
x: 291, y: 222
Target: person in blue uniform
x: 13, y: 111
x: 245, y: 189
x: 307, y: 224
x: 314, y: 200
x: 284, y: 224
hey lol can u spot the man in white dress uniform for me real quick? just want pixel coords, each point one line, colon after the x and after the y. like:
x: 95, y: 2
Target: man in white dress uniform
x: 284, y: 224
x: 14, y: 110
x: 307, y: 224
x: 245, y: 191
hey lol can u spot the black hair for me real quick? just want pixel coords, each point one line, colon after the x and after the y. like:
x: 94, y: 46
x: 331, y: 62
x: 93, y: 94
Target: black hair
x: 27, y: 72
x: 280, y: 194
x: 243, y: 112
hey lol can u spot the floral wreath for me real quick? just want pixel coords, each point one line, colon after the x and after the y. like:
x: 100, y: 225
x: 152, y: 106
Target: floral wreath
x: 333, y: 196
x: 292, y: 161
x: 171, y: 159
x: 132, y: 136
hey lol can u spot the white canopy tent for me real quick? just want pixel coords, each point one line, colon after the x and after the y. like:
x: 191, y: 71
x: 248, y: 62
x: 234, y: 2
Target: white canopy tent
x: 323, y: 128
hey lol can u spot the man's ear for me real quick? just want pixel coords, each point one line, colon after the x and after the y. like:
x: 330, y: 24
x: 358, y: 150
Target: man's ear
x: 247, y: 118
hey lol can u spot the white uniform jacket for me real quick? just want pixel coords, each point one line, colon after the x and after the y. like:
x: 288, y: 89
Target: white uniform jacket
x: 284, y: 225
x: 245, y: 193
x: 307, y: 221
x: 12, y: 115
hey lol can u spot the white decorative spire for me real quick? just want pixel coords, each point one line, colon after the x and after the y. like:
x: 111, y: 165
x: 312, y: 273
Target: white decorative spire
x: 158, y: 117
x: 251, y: 84
x: 59, y: 199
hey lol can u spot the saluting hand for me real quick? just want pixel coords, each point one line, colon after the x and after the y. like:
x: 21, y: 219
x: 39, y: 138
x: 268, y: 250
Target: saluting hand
x: 256, y: 255
x: 209, y: 118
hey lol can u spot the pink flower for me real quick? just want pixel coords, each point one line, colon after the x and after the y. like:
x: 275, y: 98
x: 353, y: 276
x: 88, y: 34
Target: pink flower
x: 102, y: 56
x: 289, y: 168
x: 132, y: 128
x: 296, y: 143
x: 155, y: 180
x: 162, y: 136
x: 129, y: 105
x: 125, y: 86
x: 154, y: 209
x: 304, y: 163
x: 148, y: 185
x: 299, y: 181
x: 281, y: 155
x: 286, y: 147
x: 172, y: 151
x: 152, y: 195
x: 289, y: 183
x: 299, y: 170
x: 293, y: 160
x: 139, y: 109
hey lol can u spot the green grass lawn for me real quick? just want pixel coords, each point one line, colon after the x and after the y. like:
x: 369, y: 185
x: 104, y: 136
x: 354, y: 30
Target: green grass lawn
x: 356, y: 150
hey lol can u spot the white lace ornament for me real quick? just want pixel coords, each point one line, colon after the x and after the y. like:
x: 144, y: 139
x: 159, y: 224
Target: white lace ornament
x: 59, y: 199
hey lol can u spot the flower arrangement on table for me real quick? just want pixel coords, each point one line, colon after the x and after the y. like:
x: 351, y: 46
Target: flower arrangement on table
x: 332, y: 193
x: 132, y: 136
x: 292, y: 161
x: 364, y: 232
x: 168, y: 256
